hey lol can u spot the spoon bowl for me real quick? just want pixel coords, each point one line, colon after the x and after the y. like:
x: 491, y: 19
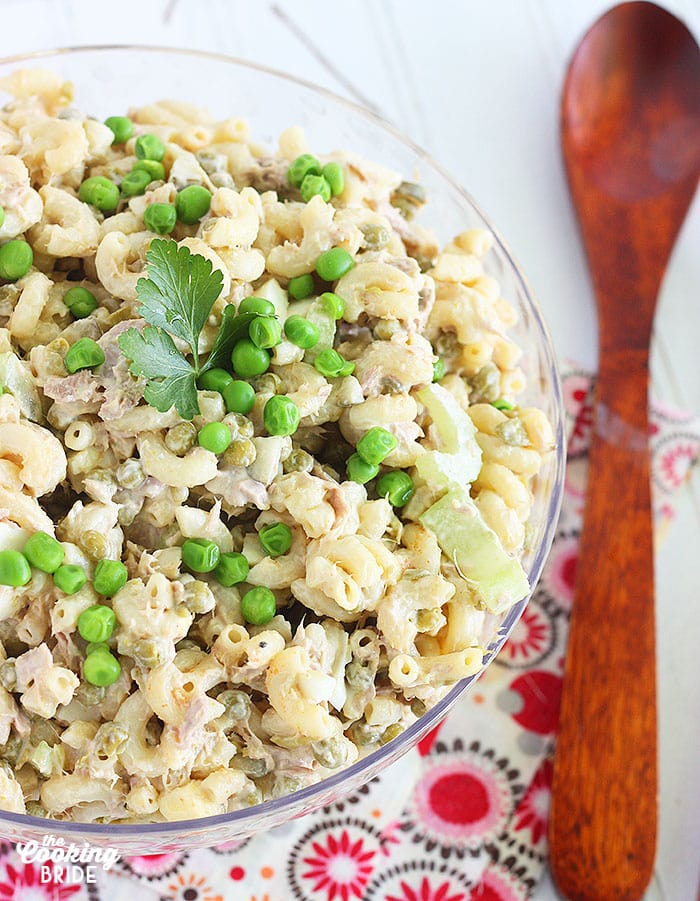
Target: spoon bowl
x: 630, y: 132
x: 645, y: 51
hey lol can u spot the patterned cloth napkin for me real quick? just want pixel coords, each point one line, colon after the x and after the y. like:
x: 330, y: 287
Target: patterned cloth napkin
x: 463, y: 816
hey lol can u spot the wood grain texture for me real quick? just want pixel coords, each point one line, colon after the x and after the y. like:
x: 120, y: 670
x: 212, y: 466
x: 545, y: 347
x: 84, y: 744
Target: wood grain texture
x: 634, y: 81
x: 478, y: 86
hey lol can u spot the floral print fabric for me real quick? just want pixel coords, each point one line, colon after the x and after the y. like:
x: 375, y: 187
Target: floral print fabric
x: 463, y: 817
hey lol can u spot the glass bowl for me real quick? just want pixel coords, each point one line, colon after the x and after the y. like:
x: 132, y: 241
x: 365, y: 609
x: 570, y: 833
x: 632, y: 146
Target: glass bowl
x: 108, y: 80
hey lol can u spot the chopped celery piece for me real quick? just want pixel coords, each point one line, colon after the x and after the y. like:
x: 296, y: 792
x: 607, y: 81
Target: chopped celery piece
x: 476, y: 551
x: 275, y: 293
x: 459, y: 462
x: 319, y: 315
x: 17, y: 380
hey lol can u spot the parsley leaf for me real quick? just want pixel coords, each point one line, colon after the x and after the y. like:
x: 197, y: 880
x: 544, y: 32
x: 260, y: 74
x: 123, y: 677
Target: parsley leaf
x: 179, y: 292
x: 176, y: 299
x: 171, y: 378
x: 232, y: 329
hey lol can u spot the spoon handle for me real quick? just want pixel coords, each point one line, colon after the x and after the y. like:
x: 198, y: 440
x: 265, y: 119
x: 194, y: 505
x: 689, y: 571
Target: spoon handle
x: 604, y: 794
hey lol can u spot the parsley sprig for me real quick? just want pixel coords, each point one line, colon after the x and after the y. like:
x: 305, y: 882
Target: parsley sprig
x: 176, y: 300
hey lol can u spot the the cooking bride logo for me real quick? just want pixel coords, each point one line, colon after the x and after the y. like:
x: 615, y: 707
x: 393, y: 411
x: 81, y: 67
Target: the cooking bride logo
x: 67, y: 863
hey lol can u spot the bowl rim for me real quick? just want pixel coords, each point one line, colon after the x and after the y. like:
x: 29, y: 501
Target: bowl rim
x: 306, y: 796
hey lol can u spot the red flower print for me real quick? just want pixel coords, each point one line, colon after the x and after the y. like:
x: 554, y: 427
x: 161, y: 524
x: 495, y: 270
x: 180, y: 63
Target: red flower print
x: 425, y: 745
x: 529, y: 641
x: 426, y: 892
x: 341, y: 868
x: 35, y: 881
x: 539, y: 693
x: 533, y: 811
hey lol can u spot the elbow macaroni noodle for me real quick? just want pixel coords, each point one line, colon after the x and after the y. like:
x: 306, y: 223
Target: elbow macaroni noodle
x: 372, y: 619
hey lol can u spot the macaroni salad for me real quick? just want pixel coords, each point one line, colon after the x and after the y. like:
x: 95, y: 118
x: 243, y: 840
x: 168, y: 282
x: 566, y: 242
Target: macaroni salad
x: 264, y: 477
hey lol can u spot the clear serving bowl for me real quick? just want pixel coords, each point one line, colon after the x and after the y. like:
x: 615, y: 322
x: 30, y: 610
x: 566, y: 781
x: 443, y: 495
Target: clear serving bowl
x: 109, y: 80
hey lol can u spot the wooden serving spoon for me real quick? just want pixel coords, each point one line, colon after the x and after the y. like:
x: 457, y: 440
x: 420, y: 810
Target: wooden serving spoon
x: 630, y: 133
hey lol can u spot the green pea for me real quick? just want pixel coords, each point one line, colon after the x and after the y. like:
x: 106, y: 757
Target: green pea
x: 239, y: 397
x: 97, y: 623
x: 214, y: 437
x: 501, y: 404
x: 135, y: 183
x: 281, y: 415
x: 331, y: 753
x: 121, y: 127
x: 298, y: 461
x: 96, y: 646
x: 154, y: 168
x: 180, y: 439
x: 70, y: 578
x: 80, y: 302
x: 148, y: 652
x: 109, y: 577
x: 192, y: 203
x: 408, y: 197
x: 160, y: 218
x: 16, y: 258
x: 149, y: 147
x: 512, y: 432
x: 215, y: 380
x: 390, y: 733
x: 101, y: 668
x: 84, y: 354
x: 240, y: 425
x: 99, y: 192
x: 275, y: 538
x: 301, y: 332
x: 334, y: 305
x: 241, y: 452
x: 315, y: 185
x: 376, y: 444
x: 438, y: 370
x: 257, y: 305
x: 200, y: 555
x: 332, y: 365
x: 303, y: 165
x: 237, y: 704
x: 43, y: 552
x: 301, y: 286
x: 265, y: 332
x: 249, y: 360
x: 231, y: 569
x: 14, y: 569
x: 396, y: 486
x: 376, y: 237
x: 333, y: 264
x: 258, y: 606
x: 360, y: 470
x: 333, y: 173
x: 486, y: 382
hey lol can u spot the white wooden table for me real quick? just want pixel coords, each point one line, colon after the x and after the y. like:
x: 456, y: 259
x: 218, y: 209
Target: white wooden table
x: 477, y: 84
